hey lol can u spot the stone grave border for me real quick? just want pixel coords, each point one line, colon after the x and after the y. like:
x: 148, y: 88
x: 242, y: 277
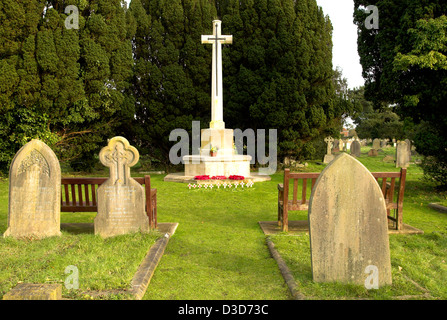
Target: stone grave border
x: 143, y: 275
x: 438, y: 207
x: 297, y: 295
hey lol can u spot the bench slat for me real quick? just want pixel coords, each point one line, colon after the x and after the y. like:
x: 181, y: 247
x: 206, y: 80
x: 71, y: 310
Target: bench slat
x: 76, y: 208
x: 303, y: 195
x: 295, y: 191
x: 391, y: 191
x: 87, y: 196
x: 306, y: 175
x: 385, y: 174
x: 80, y: 198
x: 313, y: 183
x: 92, y: 186
x: 384, y: 185
x: 73, y: 193
x: 67, y: 198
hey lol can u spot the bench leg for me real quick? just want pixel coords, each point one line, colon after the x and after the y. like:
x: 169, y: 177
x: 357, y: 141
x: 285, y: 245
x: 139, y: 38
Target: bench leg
x: 285, y: 219
x: 279, y: 215
x: 399, y: 220
x: 155, y: 213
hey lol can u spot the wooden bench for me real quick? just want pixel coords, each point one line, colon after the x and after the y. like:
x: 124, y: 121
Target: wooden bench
x: 295, y: 201
x: 79, y: 195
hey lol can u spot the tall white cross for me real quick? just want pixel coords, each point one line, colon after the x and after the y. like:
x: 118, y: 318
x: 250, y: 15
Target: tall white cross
x: 217, y: 39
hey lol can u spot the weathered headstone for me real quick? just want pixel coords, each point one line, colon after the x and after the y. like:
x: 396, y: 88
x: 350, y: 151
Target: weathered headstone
x: 373, y: 153
x: 356, y: 148
x: 402, y: 155
x: 120, y: 199
x: 388, y: 159
x: 328, y: 157
x: 409, y: 147
x: 376, y: 144
x: 34, y: 193
x: 348, y: 225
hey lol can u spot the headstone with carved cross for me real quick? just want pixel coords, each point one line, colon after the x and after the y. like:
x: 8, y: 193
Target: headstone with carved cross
x: 328, y: 156
x: 121, y: 198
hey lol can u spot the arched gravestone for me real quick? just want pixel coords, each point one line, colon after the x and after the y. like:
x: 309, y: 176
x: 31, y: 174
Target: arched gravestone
x: 120, y: 198
x: 356, y: 148
x: 402, y: 155
x: 348, y: 225
x: 408, y: 142
x: 34, y: 192
x: 376, y: 144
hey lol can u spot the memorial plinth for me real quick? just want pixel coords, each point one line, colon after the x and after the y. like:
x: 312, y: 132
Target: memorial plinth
x: 217, y: 166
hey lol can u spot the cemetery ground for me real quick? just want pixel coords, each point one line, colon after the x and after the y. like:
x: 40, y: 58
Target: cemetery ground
x: 219, y: 252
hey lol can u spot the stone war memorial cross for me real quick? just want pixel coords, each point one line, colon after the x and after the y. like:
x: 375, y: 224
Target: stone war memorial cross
x: 121, y: 198
x: 225, y: 161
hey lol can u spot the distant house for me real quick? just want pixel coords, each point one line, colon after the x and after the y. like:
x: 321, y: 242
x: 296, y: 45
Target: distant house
x: 344, y: 133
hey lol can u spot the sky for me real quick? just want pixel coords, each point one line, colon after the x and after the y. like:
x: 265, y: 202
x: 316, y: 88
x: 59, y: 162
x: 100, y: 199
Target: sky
x: 344, y: 38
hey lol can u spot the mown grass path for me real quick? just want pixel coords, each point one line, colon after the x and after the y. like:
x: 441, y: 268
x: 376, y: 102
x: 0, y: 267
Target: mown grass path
x: 218, y: 250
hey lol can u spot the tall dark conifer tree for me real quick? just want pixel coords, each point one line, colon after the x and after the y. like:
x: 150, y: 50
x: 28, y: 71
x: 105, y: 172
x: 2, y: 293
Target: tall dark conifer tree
x: 405, y: 63
x: 62, y: 85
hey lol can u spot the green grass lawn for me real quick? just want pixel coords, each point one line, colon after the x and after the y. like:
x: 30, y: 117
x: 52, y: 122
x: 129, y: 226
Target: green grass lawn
x: 220, y: 252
